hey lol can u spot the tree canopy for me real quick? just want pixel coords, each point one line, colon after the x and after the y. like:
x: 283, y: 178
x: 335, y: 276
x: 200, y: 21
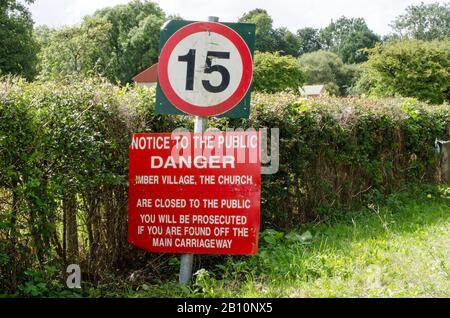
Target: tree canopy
x: 17, y: 46
x: 287, y: 43
x: 424, y: 22
x: 346, y: 37
x: 265, y: 39
x: 115, y: 42
x: 134, y: 36
x: 81, y: 50
x: 119, y: 42
x: 309, y: 40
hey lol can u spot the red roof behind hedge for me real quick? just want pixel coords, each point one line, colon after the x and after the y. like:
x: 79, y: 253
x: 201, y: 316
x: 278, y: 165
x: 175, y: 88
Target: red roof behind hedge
x: 149, y: 75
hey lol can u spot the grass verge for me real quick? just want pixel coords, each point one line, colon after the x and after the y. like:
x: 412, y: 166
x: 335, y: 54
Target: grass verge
x: 399, y: 248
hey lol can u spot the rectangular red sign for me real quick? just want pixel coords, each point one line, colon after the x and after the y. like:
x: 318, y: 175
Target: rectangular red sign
x: 195, y: 193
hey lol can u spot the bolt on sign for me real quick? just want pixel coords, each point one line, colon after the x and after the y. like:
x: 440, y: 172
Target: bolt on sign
x: 195, y: 192
x: 205, y: 68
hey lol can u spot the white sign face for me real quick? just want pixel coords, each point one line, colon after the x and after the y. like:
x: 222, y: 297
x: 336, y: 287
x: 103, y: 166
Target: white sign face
x: 205, y: 69
x: 196, y: 82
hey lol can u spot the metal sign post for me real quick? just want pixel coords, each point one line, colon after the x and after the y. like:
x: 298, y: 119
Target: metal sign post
x: 187, y: 260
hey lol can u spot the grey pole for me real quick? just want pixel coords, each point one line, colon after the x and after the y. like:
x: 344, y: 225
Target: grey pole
x: 186, y: 260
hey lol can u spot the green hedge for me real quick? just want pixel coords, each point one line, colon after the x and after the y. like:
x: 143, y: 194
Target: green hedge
x: 64, y: 151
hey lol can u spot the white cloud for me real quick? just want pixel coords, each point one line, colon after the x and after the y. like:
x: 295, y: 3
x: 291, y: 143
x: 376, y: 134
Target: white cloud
x: 290, y: 13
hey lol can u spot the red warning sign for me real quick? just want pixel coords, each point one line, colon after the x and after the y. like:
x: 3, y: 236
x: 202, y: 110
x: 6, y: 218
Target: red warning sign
x: 195, y: 192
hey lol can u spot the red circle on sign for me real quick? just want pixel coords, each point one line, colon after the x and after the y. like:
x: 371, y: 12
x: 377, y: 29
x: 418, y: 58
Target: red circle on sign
x: 236, y: 96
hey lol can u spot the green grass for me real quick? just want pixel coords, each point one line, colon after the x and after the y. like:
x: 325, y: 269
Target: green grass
x: 397, y: 249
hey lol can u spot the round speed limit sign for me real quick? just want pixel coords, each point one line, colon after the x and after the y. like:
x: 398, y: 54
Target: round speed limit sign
x: 205, y: 68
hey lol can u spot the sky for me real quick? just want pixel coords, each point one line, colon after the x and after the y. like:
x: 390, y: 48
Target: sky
x: 288, y: 13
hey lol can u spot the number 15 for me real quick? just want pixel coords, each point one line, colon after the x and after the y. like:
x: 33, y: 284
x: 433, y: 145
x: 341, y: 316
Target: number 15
x: 190, y: 59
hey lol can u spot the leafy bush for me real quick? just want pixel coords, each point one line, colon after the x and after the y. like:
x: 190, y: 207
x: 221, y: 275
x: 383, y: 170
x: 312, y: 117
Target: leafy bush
x: 63, y: 168
x: 409, y: 68
x: 274, y: 73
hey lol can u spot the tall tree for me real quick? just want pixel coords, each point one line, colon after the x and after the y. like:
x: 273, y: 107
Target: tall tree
x: 424, y: 22
x: 309, y: 40
x: 265, y: 37
x: 134, y: 36
x: 347, y: 36
x: 82, y: 49
x: 287, y: 43
x: 115, y: 42
x: 17, y: 46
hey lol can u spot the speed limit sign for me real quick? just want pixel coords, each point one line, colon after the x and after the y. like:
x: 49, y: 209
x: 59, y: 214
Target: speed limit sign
x: 205, y: 69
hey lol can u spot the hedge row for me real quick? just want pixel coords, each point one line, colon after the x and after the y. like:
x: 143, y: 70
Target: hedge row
x: 64, y: 150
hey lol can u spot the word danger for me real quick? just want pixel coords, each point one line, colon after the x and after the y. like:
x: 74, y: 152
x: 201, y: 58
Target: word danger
x: 199, y: 162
